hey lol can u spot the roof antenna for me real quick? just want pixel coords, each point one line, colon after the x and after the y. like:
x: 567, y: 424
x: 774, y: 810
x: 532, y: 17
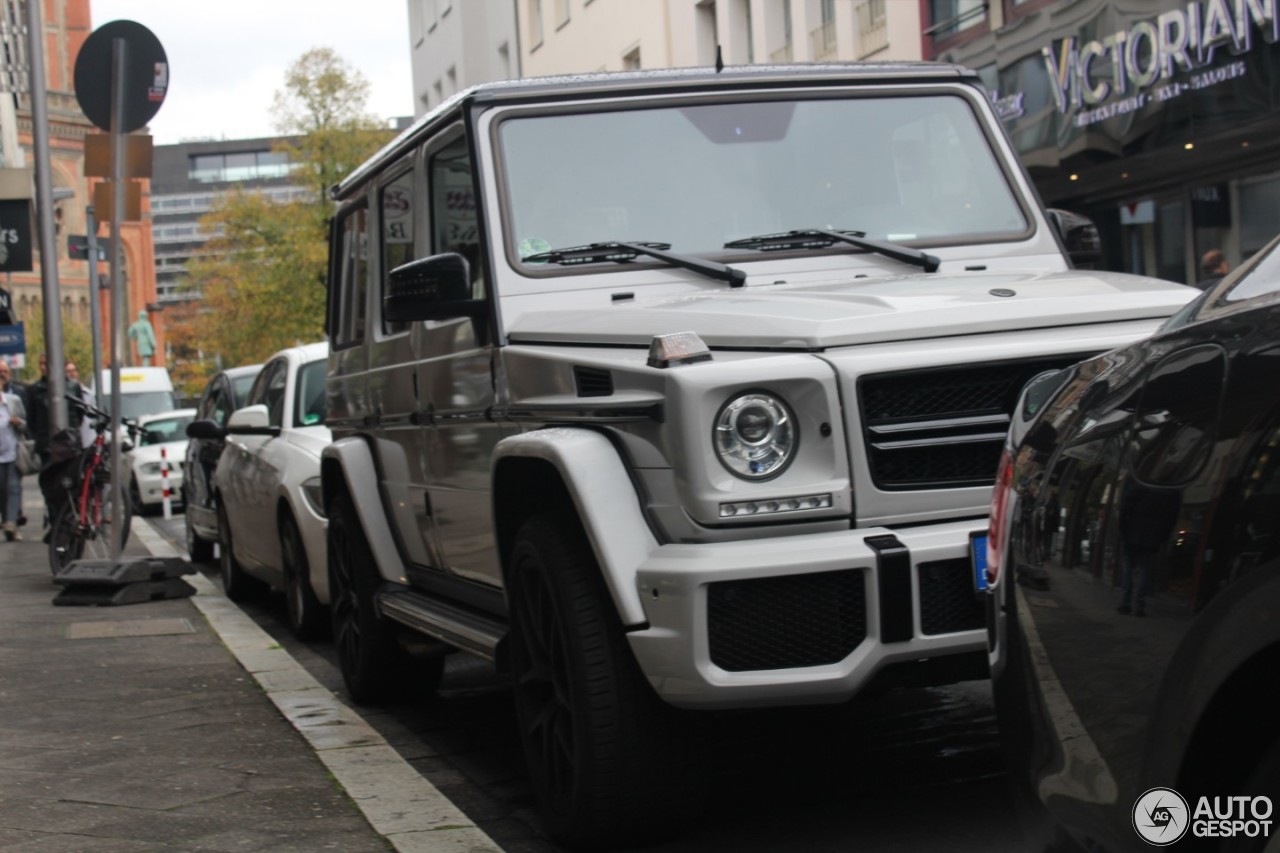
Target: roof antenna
x: 719, y: 60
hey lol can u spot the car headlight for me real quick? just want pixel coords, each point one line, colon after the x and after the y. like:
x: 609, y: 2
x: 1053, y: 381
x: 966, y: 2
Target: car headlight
x: 755, y: 435
x: 152, y: 468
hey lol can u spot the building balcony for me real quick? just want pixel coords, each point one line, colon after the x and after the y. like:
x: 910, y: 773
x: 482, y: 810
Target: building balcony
x: 782, y: 55
x: 822, y: 42
x: 873, y: 29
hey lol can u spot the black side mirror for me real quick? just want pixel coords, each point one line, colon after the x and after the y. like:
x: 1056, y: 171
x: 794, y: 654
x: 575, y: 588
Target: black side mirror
x: 207, y: 430
x: 1079, y: 236
x: 433, y: 288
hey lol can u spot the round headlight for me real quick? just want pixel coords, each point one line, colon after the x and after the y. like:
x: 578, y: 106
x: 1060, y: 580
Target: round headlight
x: 755, y: 436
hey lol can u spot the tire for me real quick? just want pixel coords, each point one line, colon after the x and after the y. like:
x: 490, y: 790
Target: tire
x: 611, y: 763
x: 1264, y: 781
x: 307, y: 616
x: 199, y: 550
x: 67, y: 541
x: 135, y: 499
x: 375, y: 667
x: 236, y: 585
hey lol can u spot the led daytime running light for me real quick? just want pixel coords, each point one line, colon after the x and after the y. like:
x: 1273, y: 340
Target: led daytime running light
x: 774, y: 506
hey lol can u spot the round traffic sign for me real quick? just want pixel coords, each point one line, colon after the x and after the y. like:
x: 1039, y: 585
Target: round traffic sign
x: 145, y: 75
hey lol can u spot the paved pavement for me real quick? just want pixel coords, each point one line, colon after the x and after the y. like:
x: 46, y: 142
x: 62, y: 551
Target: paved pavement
x: 179, y: 724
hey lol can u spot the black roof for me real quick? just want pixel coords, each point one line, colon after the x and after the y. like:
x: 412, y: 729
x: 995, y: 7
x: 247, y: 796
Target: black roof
x: 651, y: 82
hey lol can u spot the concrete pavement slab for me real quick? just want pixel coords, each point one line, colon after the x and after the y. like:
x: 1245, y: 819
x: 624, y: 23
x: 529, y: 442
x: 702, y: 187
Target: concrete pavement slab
x: 178, y: 724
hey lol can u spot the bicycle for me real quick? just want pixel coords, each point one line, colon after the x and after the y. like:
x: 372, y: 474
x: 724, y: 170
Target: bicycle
x: 82, y: 510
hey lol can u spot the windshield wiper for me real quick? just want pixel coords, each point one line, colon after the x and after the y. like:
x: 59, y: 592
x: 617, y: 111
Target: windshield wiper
x: 620, y: 253
x: 818, y: 238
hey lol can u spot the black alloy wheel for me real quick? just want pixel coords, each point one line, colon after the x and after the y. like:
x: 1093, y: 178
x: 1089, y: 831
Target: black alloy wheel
x: 375, y: 666
x: 611, y: 763
x: 307, y: 616
x: 236, y: 585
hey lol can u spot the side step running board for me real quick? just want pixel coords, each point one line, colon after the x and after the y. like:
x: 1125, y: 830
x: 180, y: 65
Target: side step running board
x: 460, y: 627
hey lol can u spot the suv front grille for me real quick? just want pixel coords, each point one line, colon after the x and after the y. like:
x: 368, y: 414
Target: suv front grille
x: 785, y: 622
x: 947, y: 599
x: 942, y: 428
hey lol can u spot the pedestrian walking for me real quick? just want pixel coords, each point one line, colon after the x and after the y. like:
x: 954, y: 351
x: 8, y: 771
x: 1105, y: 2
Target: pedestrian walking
x: 12, y: 427
x: 87, y: 435
x: 1213, y: 266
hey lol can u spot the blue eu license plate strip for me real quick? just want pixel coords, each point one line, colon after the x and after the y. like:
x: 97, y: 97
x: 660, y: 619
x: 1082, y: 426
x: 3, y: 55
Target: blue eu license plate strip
x: 978, y: 555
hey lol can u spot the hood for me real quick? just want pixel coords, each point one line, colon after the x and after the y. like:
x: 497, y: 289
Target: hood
x: 312, y: 439
x: 816, y: 315
x: 174, y: 452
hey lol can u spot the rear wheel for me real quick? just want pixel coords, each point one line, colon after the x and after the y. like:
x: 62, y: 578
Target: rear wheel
x: 236, y: 585
x: 199, y: 550
x: 307, y: 616
x: 70, y: 539
x: 375, y: 667
x: 611, y: 763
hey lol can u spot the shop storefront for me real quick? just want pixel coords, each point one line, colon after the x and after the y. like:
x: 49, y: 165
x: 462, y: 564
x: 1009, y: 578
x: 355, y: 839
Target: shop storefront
x: 1158, y: 119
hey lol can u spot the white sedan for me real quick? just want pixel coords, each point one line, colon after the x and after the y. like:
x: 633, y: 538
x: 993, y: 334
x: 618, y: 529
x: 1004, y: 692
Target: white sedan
x: 271, y: 527
x: 162, y: 443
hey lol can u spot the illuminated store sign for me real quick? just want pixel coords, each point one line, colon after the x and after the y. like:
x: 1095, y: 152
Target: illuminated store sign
x: 1144, y: 58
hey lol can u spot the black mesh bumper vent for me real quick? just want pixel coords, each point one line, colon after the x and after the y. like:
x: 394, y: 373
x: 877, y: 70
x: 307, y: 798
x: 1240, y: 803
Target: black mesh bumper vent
x: 785, y: 622
x: 592, y: 381
x: 943, y: 428
x: 947, y: 599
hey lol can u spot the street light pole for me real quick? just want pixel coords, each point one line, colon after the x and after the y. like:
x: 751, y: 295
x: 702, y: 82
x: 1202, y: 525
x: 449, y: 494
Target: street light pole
x: 57, y: 381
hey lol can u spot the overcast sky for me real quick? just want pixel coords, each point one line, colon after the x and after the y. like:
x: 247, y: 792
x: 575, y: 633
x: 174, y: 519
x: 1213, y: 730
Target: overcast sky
x: 228, y: 58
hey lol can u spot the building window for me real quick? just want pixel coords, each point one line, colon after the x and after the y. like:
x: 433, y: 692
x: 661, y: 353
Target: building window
x: 822, y: 41
x: 416, y: 31
x: 535, y: 24
x: 631, y: 60
x: 706, y: 33
x: 784, y: 52
x: 873, y: 29
x: 504, y: 61
x: 238, y: 166
x: 951, y: 17
x: 562, y: 13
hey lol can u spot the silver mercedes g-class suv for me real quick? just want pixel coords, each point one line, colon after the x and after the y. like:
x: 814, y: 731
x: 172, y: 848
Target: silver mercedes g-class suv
x: 685, y: 390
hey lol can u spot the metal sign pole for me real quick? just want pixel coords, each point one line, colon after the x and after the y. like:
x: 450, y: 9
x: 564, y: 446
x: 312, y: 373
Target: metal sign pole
x: 57, y: 380
x: 95, y: 304
x: 118, y: 55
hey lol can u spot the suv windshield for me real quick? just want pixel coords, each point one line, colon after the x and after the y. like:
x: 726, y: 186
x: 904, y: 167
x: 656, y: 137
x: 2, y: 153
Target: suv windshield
x: 904, y: 168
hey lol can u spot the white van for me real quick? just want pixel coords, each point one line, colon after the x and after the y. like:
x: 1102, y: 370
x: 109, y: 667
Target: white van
x: 143, y: 391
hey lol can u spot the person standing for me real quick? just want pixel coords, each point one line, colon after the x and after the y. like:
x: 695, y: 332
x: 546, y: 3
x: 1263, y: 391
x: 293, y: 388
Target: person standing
x: 1213, y: 266
x: 38, y: 420
x: 87, y: 435
x: 11, y: 496
x: 12, y: 423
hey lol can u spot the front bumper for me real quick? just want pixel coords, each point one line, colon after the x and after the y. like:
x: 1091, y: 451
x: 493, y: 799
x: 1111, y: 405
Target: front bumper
x: 804, y: 619
x: 151, y: 487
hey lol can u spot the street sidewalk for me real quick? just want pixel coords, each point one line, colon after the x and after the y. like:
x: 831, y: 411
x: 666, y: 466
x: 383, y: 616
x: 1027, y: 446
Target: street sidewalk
x: 181, y: 725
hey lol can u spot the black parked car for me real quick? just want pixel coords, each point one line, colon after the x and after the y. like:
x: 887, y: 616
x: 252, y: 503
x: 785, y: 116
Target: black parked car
x: 1134, y: 620
x: 224, y: 394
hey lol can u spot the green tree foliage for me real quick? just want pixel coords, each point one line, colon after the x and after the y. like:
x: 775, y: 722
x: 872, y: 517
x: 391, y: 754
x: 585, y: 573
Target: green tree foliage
x: 77, y: 345
x: 322, y: 110
x: 263, y: 276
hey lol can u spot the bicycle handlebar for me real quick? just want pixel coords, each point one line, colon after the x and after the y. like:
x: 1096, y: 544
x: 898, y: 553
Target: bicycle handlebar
x: 101, y: 420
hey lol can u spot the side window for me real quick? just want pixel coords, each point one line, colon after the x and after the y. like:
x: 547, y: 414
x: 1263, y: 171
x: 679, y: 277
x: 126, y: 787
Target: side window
x: 395, y: 201
x: 453, y: 209
x: 350, y: 277
x: 209, y: 404
x: 274, y: 397
x: 268, y: 390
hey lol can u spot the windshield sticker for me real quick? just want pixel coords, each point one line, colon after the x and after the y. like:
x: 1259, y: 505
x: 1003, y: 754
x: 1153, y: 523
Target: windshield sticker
x: 533, y: 246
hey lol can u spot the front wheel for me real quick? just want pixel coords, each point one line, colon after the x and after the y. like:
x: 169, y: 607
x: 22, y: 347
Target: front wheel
x: 375, y: 667
x: 611, y: 763
x: 307, y: 616
x: 236, y: 585
x: 73, y: 538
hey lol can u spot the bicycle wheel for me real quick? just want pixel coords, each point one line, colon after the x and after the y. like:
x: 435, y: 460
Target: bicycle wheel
x: 73, y: 538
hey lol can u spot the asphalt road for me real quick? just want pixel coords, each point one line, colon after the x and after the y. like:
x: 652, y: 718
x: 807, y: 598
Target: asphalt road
x: 908, y: 770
